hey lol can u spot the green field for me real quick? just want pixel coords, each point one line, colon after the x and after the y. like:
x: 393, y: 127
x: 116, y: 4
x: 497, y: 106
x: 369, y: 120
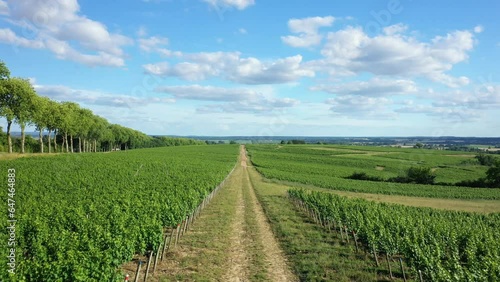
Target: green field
x: 328, y: 167
x: 80, y: 216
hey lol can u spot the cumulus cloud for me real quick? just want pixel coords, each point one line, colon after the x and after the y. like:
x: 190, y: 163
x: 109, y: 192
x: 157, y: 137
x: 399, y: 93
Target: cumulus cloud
x: 458, y: 105
x: 59, y: 23
x: 232, y: 66
x: 208, y: 93
x: 238, y: 4
x: 361, y: 107
x: 373, y: 87
x: 351, y: 51
x: 90, y: 97
x: 230, y: 100
x: 307, y: 30
x: 152, y: 43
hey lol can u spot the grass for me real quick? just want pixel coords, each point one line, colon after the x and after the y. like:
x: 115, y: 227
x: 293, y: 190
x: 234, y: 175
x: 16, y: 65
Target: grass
x: 314, y: 253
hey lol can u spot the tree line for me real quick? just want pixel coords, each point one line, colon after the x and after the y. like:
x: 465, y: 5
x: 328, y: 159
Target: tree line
x: 74, y: 129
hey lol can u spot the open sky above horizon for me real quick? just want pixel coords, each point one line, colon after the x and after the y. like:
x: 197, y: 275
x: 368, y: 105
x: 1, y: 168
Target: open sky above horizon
x: 260, y: 68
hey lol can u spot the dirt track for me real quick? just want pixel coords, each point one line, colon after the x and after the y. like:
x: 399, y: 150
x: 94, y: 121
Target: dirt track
x: 275, y: 262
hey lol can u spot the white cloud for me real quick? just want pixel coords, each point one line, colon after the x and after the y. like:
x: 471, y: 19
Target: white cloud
x: 208, y: 93
x: 361, y: 107
x: 238, y: 4
x: 395, y: 29
x: 152, y: 43
x: 91, y: 97
x: 373, y: 87
x: 307, y: 29
x: 234, y: 100
x: 4, y: 8
x: 458, y: 105
x: 231, y: 66
x: 242, y: 31
x: 9, y: 37
x: 156, y: 44
x: 58, y: 22
x: 478, y: 29
x: 351, y: 51
x: 142, y: 31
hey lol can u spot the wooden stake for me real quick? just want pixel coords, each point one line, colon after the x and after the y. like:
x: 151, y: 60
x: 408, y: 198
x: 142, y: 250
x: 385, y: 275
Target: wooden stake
x: 156, y: 258
x: 402, y: 268
x: 176, y: 235
x: 147, y: 268
x: 389, y: 265
x: 165, y: 244
x: 346, y: 234
x: 138, y: 271
x: 420, y: 275
x: 355, y: 240
x: 375, y: 255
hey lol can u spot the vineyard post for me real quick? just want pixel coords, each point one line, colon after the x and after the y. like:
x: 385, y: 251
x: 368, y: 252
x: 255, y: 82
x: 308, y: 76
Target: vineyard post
x: 137, y: 273
x: 375, y: 255
x: 185, y: 224
x: 346, y: 234
x: 149, y: 264
x: 355, y: 240
x: 182, y: 228
x: 420, y: 275
x: 176, y: 235
x: 389, y: 265
x: 156, y: 257
x: 169, y: 242
x: 164, y: 246
x: 402, y: 268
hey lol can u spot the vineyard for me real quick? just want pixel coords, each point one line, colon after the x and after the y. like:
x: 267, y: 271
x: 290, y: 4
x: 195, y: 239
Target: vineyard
x: 436, y: 245
x: 80, y: 216
x: 328, y: 167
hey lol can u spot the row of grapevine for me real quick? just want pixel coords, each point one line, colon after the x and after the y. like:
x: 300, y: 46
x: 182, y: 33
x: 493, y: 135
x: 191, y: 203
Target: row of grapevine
x: 79, y: 217
x: 328, y: 169
x: 443, y: 245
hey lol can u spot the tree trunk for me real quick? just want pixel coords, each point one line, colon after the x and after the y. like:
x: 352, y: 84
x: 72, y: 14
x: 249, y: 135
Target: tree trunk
x: 71, y: 140
x: 95, y: 146
x: 23, y: 138
x: 49, y: 142
x: 55, y: 142
x: 9, y: 139
x: 66, y: 138
x: 41, y: 141
x: 79, y: 144
x: 63, y: 145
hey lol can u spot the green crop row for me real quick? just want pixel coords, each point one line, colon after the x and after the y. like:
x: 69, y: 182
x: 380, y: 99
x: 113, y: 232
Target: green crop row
x: 316, y: 165
x: 444, y: 245
x: 80, y: 216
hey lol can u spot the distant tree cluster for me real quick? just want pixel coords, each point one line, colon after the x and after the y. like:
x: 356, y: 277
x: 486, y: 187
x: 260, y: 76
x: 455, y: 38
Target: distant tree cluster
x: 75, y: 129
x: 418, y: 175
x: 294, y: 141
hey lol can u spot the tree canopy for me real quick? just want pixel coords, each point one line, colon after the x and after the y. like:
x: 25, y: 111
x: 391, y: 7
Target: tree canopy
x: 67, y: 121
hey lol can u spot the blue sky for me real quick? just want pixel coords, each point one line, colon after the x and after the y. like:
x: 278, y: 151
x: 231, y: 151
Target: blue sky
x: 255, y: 67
